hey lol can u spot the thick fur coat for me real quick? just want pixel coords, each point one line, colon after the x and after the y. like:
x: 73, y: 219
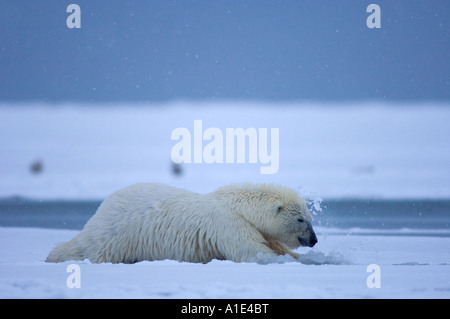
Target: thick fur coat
x: 153, y: 221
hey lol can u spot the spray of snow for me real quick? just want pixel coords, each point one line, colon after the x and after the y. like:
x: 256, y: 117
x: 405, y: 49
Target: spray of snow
x: 315, y: 201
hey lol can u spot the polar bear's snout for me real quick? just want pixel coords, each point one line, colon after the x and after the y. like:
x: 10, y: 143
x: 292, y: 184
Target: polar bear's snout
x: 309, y: 238
x: 312, y: 240
x: 310, y: 243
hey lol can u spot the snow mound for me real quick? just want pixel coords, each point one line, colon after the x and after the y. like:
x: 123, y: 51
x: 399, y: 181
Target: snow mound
x: 314, y: 257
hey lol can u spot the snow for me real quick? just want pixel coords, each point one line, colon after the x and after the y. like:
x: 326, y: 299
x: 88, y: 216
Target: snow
x: 375, y: 150
x: 411, y: 267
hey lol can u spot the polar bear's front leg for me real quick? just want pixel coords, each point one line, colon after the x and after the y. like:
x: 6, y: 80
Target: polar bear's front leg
x: 257, y: 251
x: 266, y: 252
x: 281, y: 249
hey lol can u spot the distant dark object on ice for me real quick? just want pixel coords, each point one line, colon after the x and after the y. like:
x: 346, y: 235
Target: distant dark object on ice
x: 36, y: 167
x: 177, y: 169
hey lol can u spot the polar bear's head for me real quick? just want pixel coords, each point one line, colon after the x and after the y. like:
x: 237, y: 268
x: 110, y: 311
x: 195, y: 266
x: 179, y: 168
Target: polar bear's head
x: 294, y: 220
x: 278, y: 213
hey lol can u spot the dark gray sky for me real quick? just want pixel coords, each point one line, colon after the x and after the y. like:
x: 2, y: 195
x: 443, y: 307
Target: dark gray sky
x: 253, y: 50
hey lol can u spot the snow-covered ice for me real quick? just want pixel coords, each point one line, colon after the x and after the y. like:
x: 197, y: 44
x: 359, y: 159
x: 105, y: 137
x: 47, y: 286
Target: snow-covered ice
x: 411, y: 267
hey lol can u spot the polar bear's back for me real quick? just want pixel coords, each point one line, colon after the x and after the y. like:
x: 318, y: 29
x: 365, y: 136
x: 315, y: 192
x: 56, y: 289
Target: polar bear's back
x: 142, y: 198
x: 133, y: 204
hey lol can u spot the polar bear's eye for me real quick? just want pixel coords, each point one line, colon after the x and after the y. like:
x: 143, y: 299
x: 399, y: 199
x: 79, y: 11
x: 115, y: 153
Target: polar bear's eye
x: 280, y: 208
x: 300, y: 220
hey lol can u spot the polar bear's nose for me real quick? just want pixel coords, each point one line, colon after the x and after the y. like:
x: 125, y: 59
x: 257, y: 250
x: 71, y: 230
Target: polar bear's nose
x: 312, y: 240
x: 312, y: 237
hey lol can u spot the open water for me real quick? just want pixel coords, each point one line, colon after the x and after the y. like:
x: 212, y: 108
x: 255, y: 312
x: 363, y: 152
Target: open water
x: 423, y: 217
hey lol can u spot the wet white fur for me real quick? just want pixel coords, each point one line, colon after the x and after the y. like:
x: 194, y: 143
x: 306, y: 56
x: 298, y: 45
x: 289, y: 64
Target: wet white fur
x: 155, y: 222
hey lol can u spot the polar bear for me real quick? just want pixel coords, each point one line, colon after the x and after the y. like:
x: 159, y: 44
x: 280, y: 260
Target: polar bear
x: 151, y: 221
